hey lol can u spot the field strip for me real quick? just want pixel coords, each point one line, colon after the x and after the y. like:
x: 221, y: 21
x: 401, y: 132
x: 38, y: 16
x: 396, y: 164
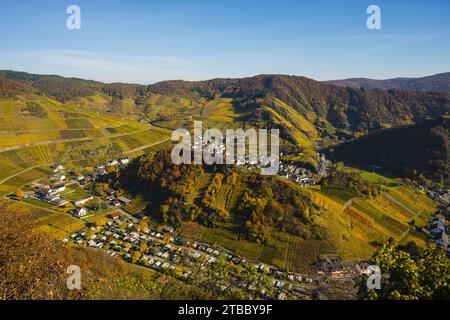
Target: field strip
x: 119, y: 135
x: 44, y: 130
x: 387, y: 195
x: 40, y: 143
x: 350, y: 202
x: 45, y: 209
x: 19, y: 173
x: 405, y: 235
x: 145, y: 147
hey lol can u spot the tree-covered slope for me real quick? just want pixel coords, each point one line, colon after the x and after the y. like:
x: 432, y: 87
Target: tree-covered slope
x: 438, y: 82
x: 410, y: 150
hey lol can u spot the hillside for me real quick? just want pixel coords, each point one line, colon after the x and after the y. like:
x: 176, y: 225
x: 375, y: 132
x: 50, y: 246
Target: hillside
x: 66, y: 89
x: 38, y: 256
x: 412, y: 150
x: 346, y: 109
x: 36, y: 131
x: 212, y: 195
x: 10, y: 88
x: 78, y: 123
x: 45, y: 119
x: 327, y: 107
x: 438, y: 82
x: 271, y: 219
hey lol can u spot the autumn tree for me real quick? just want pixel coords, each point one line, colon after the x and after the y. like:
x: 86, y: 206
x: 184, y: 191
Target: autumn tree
x: 32, y: 266
x: 20, y: 193
x: 409, y: 277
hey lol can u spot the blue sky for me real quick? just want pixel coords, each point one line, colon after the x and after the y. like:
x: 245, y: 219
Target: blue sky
x: 147, y: 41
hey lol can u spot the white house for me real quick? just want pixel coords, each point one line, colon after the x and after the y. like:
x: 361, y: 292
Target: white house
x: 113, y: 162
x: 80, y: 212
x: 82, y: 201
x: 57, y: 168
x: 58, y: 176
x: 124, y: 160
x: 59, y: 188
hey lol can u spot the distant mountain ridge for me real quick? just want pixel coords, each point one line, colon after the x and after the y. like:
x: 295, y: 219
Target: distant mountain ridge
x: 65, y: 89
x: 270, y: 100
x: 438, y: 82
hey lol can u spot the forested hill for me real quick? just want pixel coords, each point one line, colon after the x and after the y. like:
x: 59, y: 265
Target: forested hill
x: 10, y: 88
x: 345, y: 109
x: 353, y: 109
x: 212, y: 195
x: 65, y: 89
x: 437, y: 82
x: 422, y: 148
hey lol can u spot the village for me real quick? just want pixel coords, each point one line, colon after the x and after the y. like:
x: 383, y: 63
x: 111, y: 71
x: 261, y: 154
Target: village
x: 289, y: 170
x: 438, y: 228
x: 128, y: 236
x: 131, y: 237
x: 160, y: 250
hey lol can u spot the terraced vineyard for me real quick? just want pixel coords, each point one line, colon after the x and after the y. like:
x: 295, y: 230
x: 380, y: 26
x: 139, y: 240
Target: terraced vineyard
x: 355, y: 223
x: 39, y: 131
x: 55, y: 224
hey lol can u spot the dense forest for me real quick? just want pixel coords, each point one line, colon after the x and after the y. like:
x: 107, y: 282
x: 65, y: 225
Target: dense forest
x: 422, y: 148
x: 66, y: 89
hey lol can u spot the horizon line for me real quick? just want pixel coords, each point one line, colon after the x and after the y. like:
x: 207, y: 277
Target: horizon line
x: 223, y: 78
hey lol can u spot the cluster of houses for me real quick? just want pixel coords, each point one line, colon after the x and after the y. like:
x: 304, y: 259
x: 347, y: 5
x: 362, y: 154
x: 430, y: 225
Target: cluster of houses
x: 116, y: 162
x: 51, y: 194
x: 100, y: 169
x: 442, y: 196
x: 59, y: 181
x: 165, y: 252
x: 438, y: 230
x: 120, y: 201
x: 301, y: 176
x: 202, y: 143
